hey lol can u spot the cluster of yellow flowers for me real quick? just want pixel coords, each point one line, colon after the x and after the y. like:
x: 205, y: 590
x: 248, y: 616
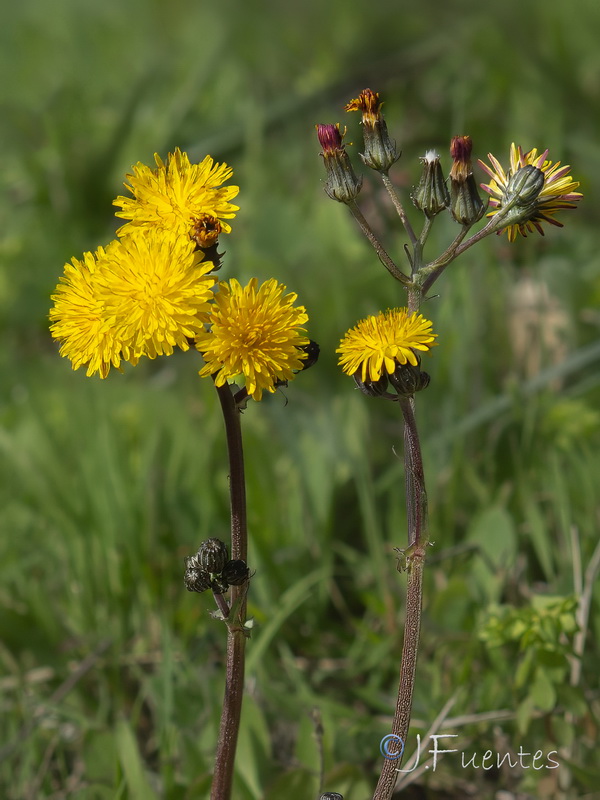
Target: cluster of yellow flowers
x: 151, y: 290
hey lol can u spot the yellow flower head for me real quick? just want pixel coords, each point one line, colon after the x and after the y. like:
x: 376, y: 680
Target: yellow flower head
x: 79, y: 319
x: 157, y: 290
x: 254, y: 332
x: 378, y: 344
x: 175, y: 195
x: 558, y: 190
x: 138, y: 297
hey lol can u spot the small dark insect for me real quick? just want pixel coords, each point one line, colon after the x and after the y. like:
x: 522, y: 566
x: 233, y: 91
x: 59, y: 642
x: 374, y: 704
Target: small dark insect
x: 312, y: 351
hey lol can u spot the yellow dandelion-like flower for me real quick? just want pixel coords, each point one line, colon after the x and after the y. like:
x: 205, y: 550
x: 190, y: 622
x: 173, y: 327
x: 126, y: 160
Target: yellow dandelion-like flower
x: 379, y: 343
x: 141, y: 296
x: 79, y: 318
x: 254, y: 332
x: 157, y: 290
x: 558, y: 191
x: 175, y: 195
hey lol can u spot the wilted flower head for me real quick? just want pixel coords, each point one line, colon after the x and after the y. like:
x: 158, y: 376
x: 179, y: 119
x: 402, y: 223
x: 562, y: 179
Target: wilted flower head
x: 254, y: 332
x: 176, y: 195
x: 557, y: 190
x: 380, y: 151
x: 378, y: 344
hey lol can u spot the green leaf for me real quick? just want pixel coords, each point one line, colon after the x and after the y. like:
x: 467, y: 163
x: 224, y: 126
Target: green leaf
x: 493, y: 533
x: 132, y: 764
x: 543, y: 693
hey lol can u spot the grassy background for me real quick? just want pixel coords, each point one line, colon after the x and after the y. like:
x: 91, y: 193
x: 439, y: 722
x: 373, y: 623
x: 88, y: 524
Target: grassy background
x: 105, y: 486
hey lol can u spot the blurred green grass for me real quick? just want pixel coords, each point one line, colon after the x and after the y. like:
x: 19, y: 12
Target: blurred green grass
x: 105, y: 486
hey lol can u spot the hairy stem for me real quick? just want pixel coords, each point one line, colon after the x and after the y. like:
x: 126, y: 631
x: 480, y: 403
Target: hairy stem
x: 418, y: 539
x: 236, y: 638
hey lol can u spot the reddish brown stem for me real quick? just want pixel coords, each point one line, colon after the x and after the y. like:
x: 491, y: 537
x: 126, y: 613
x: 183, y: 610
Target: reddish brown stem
x: 236, y: 638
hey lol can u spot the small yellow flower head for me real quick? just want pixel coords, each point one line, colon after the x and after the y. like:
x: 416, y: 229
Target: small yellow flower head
x: 141, y: 296
x: 254, y: 332
x: 558, y: 190
x: 377, y: 345
x: 79, y: 319
x: 176, y: 195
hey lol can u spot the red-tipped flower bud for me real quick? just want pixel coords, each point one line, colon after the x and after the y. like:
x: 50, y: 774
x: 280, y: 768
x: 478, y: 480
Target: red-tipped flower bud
x: 342, y: 184
x: 465, y: 204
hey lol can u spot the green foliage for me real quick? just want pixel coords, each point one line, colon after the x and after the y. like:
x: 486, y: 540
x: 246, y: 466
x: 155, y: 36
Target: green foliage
x: 106, y: 485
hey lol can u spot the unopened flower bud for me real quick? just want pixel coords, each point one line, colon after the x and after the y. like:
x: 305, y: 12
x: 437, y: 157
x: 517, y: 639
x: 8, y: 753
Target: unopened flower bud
x: 235, y: 572
x: 408, y: 379
x: 376, y: 388
x: 342, y: 183
x: 465, y: 204
x: 380, y: 151
x: 212, y: 555
x: 431, y: 195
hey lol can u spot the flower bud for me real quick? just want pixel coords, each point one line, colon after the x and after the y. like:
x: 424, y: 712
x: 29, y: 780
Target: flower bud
x: 212, y: 556
x: 235, y: 572
x: 408, y: 379
x: 376, y: 388
x: 465, y: 204
x: 431, y: 195
x: 380, y: 151
x: 342, y: 184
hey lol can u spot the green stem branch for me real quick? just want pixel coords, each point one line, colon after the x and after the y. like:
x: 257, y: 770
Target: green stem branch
x: 379, y: 249
x: 391, y: 189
